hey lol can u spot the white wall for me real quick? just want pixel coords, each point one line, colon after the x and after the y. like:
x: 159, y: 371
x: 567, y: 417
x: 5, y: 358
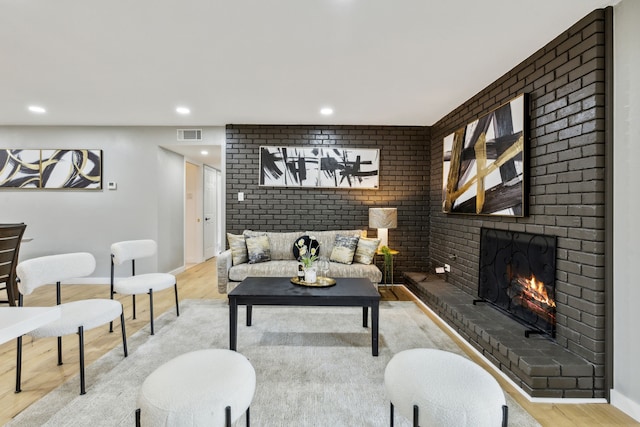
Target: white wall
x: 626, y: 236
x: 79, y: 220
x: 171, y: 182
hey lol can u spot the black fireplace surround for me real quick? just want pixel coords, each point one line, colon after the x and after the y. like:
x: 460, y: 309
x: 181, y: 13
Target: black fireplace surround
x: 517, y: 275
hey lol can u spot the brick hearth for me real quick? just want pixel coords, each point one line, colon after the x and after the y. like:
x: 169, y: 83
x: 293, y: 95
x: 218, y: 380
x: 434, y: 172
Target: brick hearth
x: 537, y: 364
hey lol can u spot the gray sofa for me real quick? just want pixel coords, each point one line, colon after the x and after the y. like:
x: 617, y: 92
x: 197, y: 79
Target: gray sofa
x: 283, y: 263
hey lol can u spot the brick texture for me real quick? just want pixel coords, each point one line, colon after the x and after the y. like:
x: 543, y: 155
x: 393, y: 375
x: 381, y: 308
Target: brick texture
x: 566, y: 83
x: 404, y: 183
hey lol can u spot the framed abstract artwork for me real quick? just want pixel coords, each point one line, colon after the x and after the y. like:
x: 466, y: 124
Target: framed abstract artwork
x: 485, y: 165
x: 319, y: 167
x: 51, y: 169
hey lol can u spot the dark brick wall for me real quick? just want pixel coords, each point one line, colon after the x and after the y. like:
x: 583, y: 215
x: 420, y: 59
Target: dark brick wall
x: 566, y: 83
x: 404, y: 183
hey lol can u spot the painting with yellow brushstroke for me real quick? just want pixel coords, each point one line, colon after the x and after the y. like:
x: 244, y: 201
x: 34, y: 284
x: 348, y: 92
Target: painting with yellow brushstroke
x: 19, y: 168
x: 51, y: 169
x: 484, y: 163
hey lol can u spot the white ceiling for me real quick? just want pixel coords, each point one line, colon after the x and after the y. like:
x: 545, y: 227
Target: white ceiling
x: 387, y: 62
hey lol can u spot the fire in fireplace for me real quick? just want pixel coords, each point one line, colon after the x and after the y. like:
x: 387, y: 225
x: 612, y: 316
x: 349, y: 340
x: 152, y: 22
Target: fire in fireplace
x: 517, y: 275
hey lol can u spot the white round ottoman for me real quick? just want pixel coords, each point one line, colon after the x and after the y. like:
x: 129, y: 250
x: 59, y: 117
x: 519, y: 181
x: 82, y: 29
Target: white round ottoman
x: 206, y: 387
x: 439, y: 388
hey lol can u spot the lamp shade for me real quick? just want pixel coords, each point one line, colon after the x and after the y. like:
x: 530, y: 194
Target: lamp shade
x: 383, y: 217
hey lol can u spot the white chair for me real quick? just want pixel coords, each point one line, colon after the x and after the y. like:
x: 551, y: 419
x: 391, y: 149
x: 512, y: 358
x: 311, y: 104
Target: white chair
x: 147, y: 283
x: 76, y: 316
x: 439, y: 388
x: 211, y: 387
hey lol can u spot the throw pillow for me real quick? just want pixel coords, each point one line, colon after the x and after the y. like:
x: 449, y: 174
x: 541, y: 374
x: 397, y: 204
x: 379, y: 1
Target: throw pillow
x: 305, y: 244
x: 344, y: 249
x: 238, y: 248
x: 258, y: 249
x: 366, y: 250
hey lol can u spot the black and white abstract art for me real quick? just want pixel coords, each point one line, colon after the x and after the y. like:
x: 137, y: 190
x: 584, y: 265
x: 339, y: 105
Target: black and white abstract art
x: 49, y: 169
x: 19, y: 168
x: 320, y: 167
x: 485, y: 165
x: 71, y: 169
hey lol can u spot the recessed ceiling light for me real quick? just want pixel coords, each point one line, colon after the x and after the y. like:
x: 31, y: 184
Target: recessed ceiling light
x: 326, y: 111
x: 204, y: 152
x: 183, y: 110
x: 37, y: 109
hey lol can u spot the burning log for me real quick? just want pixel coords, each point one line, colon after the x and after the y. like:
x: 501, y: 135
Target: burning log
x: 532, y: 295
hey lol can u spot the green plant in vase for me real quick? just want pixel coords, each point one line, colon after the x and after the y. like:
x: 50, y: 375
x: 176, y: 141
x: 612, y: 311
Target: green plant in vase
x: 388, y: 259
x: 307, y: 260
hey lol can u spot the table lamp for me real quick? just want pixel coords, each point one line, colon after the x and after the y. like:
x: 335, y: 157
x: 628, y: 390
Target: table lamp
x: 383, y: 219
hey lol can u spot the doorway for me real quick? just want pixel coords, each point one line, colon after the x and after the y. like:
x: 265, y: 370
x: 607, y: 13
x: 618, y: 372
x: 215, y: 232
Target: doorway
x: 203, y: 213
x: 212, y: 212
x: 192, y: 218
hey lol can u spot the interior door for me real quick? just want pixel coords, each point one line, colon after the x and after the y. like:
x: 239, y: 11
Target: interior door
x: 211, y: 209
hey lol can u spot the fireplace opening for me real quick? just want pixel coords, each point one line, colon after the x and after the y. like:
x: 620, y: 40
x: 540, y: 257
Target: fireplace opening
x: 517, y: 275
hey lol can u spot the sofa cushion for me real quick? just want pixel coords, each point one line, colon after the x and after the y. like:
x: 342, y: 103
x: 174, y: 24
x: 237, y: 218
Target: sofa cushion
x: 366, y: 250
x: 289, y: 268
x: 371, y: 272
x: 305, y: 245
x: 238, y: 273
x: 281, y: 244
x: 258, y: 249
x: 328, y: 238
x: 344, y: 249
x: 238, y: 248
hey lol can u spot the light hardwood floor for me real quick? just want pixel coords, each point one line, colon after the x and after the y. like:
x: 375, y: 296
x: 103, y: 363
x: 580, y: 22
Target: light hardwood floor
x: 41, y: 374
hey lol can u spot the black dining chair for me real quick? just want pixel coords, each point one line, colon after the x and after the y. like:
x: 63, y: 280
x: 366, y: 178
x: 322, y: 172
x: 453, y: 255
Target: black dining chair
x: 10, y: 238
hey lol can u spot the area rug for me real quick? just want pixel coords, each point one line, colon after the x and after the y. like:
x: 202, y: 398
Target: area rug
x: 313, y: 366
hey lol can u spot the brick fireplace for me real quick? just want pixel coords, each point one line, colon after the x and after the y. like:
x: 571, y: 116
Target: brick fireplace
x: 517, y: 275
x: 566, y: 80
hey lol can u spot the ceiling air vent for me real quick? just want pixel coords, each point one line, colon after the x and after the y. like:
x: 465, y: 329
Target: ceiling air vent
x: 189, y: 134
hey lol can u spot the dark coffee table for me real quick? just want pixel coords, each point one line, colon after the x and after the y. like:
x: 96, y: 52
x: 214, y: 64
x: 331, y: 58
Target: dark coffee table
x: 280, y: 291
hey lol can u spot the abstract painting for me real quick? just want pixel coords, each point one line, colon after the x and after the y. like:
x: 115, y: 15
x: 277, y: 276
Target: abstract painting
x: 71, y: 169
x: 320, y: 167
x: 20, y: 168
x: 47, y: 169
x: 484, y: 163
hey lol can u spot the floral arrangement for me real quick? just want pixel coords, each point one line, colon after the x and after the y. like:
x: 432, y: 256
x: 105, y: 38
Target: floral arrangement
x: 307, y: 256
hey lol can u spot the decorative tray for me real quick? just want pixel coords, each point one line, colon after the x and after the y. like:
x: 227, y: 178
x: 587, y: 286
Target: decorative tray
x: 321, y: 282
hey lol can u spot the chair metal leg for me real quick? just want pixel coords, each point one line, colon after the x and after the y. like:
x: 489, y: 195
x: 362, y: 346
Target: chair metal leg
x: 391, y: 414
x: 59, y: 351
x: 111, y: 323
x: 111, y: 289
x: 248, y: 416
x: 134, y: 306
x: 415, y: 416
x: 505, y: 415
x: 138, y: 417
x: 124, y: 334
x: 227, y: 416
x: 81, y: 350
x: 19, y: 364
x: 177, y: 307
x: 151, y: 308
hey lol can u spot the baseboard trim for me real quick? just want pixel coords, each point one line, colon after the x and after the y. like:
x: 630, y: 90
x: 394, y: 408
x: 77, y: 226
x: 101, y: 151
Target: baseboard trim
x: 625, y: 404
